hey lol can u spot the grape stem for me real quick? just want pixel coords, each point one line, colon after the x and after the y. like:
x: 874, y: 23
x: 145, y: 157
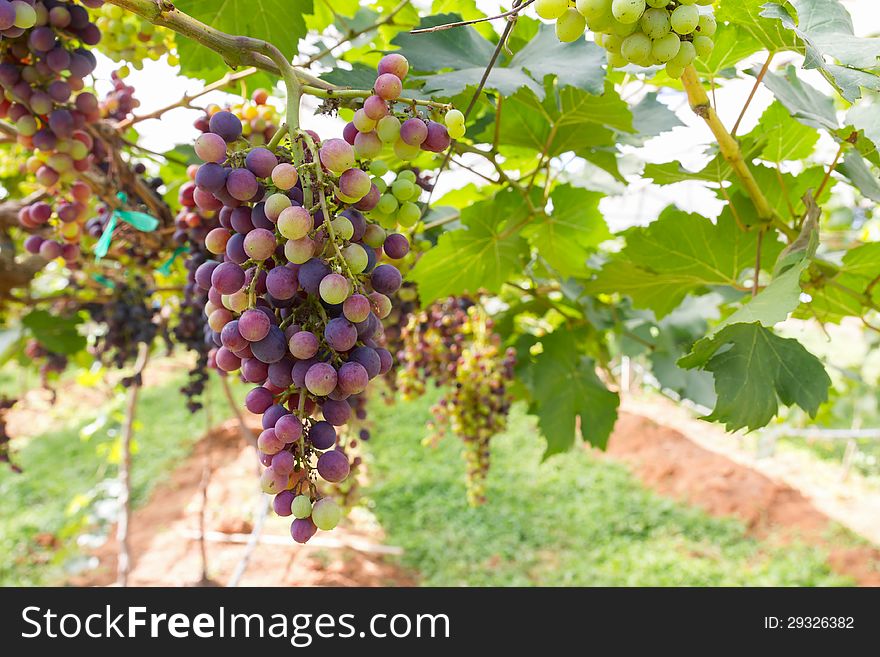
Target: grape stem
x: 731, y: 151
x: 449, y: 26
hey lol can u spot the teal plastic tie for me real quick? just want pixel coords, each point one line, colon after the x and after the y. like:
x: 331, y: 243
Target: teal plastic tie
x: 139, y: 220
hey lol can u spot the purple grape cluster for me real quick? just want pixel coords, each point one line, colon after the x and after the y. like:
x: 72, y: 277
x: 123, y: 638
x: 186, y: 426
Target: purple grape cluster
x: 296, y: 296
x: 6, y: 405
x: 120, y: 103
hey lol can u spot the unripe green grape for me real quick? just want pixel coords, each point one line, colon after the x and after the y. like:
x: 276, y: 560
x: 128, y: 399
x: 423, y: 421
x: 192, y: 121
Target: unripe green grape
x: 665, y: 48
x: 551, y: 9
x: 402, y: 189
x: 600, y: 23
x: 326, y: 514
x: 707, y: 25
x: 673, y: 70
x: 599, y: 39
x: 343, y: 227
x: 387, y: 221
x: 628, y: 11
x: 570, y: 26
x: 703, y: 45
x: 622, y: 29
x: 454, y: 117
x: 655, y: 23
x: 616, y: 61
x: 658, y: 4
x: 612, y: 42
x: 686, y: 54
x: 407, y: 174
x: 388, y: 129
x: 378, y: 168
x: 301, y: 506
x: 685, y: 19
x: 380, y: 184
x: 408, y: 215
x: 406, y: 152
x: 456, y: 131
x: 356, y: 258
x: 593, y: 8
x: 387, y: 204
x: 636, y: 48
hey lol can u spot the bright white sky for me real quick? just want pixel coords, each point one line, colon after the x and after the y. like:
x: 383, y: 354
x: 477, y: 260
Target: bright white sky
x: 158, y: 85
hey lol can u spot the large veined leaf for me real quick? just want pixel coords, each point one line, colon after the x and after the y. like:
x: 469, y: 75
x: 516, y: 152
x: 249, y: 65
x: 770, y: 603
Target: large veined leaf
x: 568, y: 120
x: 281, y: 22
x: 58, y: 334
x: 677, y: 254
x: 467, y: 53
x: 857, y: 170
x: 825, y: 29
x: 732, y: 44
x: 746, y: 15
x: 785, y: 139
x: 564, y: 387
x: 806, y: 103
x: 480, y: 256
x: 650, y: 119
x: 565, y: 237
x: 756, y: 372
x: 842, y: 296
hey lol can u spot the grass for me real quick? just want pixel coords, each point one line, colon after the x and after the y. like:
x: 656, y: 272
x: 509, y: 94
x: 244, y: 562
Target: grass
x: 58, y: 495
x: 574, y: 520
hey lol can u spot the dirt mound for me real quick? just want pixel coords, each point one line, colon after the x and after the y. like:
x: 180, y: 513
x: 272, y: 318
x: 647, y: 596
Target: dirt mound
x: 165, y: 552
x: 670, y: 463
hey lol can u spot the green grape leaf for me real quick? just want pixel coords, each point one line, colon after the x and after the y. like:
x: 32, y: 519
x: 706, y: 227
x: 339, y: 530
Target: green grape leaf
x: 732, y: 44
x: 758, y: 371
x: 571, y: 120
x: 807, y: 104
x: 650, y: 118
x: 786, y: 139
x: 58, y: 334
x: 784, y: 197
x: 584, y: 61
x: 564, y: 387
x: 677, y: 254
x: 327, y: 13
x: 832, y: 302
x: 747, y: 15
x: 483, y: 255
x: 860, y: 175
x: 281, y: 22
x: 825, y: 28
x: 360, y: 76
x: 565, y: 237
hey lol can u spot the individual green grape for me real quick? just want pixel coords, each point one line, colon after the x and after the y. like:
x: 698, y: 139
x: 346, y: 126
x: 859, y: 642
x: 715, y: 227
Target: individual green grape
x: 570, y: 26
x: 388, y: 129
x: 703, y: 45
x: 380, y: 184
x: 674, y: 70
x: 707, y: 25
x: 658, y: 4
x: 454, y: 117
x: 611, y: 43
x: 616, y: 61
x: 685, y: 19
x: 600, y: 23
x: 636, y: 48
x: 301, y: 506
x: 665, y: 48
x: 456, y: 131
x: 407, y: 174
x: 408, y: 215
x: 387, y: 204
x: 594, y: 8
x: 628, y: 11
x: 622, y: 29
x: 686, y: 54
x: 402, y: 189
x: 551, y: 9
x: 378, y: 168
x: 655, y: 23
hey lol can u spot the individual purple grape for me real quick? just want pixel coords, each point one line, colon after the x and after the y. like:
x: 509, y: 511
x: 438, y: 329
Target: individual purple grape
x: 227, y: 125
x: 299, y: 371
x: 227, y: 278
x: 235, y: 249
x: 261, y: 162
x: 396, y: 246
x: 273, y: 415
x: 211, y: 176
x: 33, y: 243
x: 438, y: 138
x: 260, y: 244
x: 333, y: 466
x: 302, y: 529
x: 271, y: 348
x: 61, y: 122
x: 354, y: 184
x: 241, y: 184
x: 322, y: 435
x: 240, y: 219
x: 204, y: 272
x: 337, y: 155
x: 231, y: 338
x: 414, y: 131
x: 59, y: 90
x: 356, y: 308
x: 350, y: 133
x: 283, y: 462
x: 7, y: 15
x: 209, y: 147
x: 254, y: 325
x: 254, y: 370
x: 340, y: 334
x: 289, y: 428
x: 50, y: 250
x: 268, y: 442
x: 395, y: 64
x: 375, y: 108
x: 58, y: 59
x: 369, y: 358
x: 370, y: 201
x: 369, y: 327
x: 259, y: 218
x: 352, y: 378
x: 282, y: 283
x: 335, y: 412
x: 311, y: 274
x: 386, y: 360
x: 41, y: 38
x: 388, y: 86
x: 386, y: 279
x: 279, y: 373
x: 303, y: 345
x: 258, y: 400
x: 283, y: 500
x: 226, y: 360
x: 321, y: 379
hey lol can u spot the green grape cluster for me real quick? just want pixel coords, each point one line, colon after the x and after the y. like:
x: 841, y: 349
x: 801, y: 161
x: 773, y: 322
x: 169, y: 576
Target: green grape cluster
x: 398, y: 196
x: 136, y: 39
x: 641, y: 32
